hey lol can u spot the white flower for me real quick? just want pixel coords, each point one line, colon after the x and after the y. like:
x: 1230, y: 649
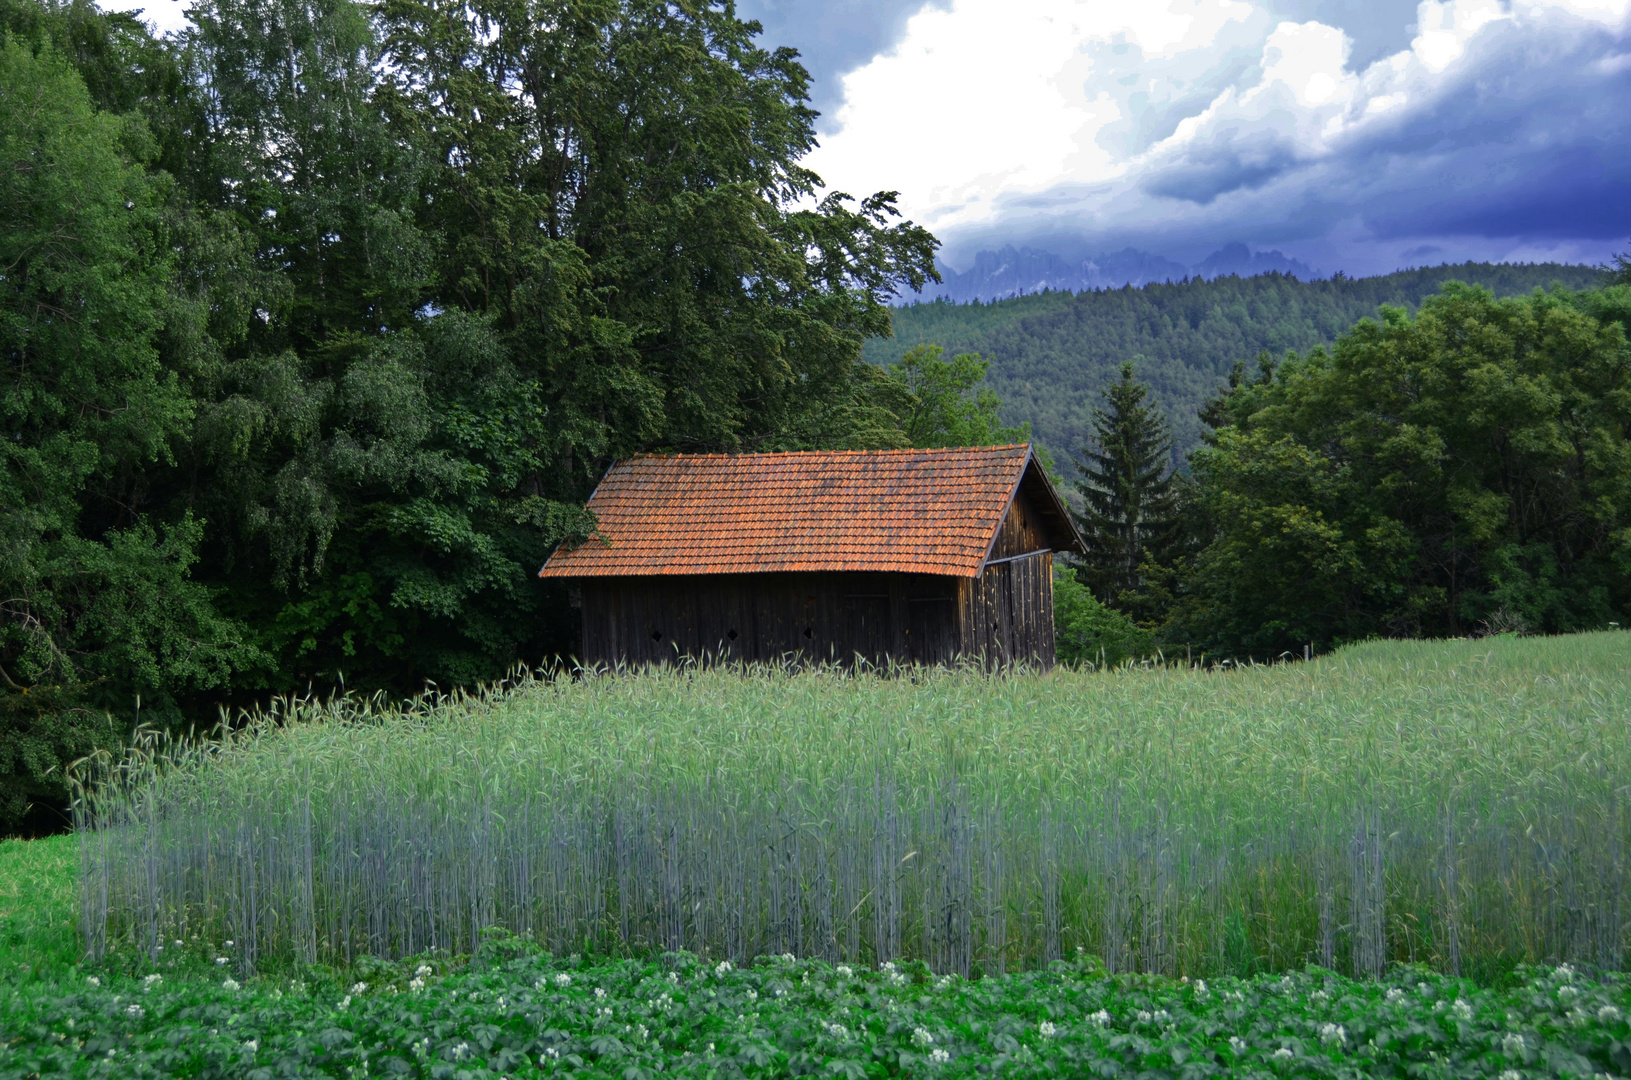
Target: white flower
x: 345, y: 1003
x: 844, y: 971
x: 753, y: 995
x: 1161, y: 1016
x: 600, y: 993
x: 177, y: 944
x: 710, y: 1048
x: 937, y: 1056
x: 942, y: 983
x: 674, y: 977
x: 220, y: 959
x: 1099, y: 1019
x: 723, y: 967
x: 1319, y: 996
x: 230, y: 985
x: 640, y: 1032
x: 461, y: 1051
x: 1568, y: 993
x: 415, y: 985
x: 1285, y: 986
x: 549, y: 1055
x: 1333, y: 1034
x: 1200, y: 988
x: 1143, y: 1017
x: 1608, y: 1014
x: 1393, y: 994
x: 253, y: 1046
x: 1511, y: 1074
x: 1512, y: 1045
x: 229, y: 943
x: 92, y: 980
x: 789, y: 957
x: 563, y: 980
x: 837, y: 1031
x: 1046, y: 1029
x: 420, y: 1047
x: 922, y: 1037
x: 151, y: 981
x: 1564, y: 971
x: 421, y: 971
x: 1462, y: 1010
x: 134, y: 1011
x: 358, y: 988
x: 1282, y: 1054
x: 1237, y: 1044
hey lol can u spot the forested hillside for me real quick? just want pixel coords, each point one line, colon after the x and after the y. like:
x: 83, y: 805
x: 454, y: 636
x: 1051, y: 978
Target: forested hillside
x: 1051, y: 353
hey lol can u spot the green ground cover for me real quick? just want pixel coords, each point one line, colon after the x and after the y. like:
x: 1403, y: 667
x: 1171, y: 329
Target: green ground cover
x: 39, y: 899
x: 516, y: 1012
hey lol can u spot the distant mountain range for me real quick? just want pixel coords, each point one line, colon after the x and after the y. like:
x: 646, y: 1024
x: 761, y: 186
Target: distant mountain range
x: 1010, y: 271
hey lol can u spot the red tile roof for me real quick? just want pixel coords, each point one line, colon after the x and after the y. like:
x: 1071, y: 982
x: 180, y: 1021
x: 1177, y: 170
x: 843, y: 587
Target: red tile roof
x: 924, y: 511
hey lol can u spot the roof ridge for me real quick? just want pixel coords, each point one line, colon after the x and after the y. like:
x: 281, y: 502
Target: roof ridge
x: 902, y: 450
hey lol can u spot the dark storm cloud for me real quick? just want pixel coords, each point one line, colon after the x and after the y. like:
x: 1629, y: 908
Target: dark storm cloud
x: 1522, y: 141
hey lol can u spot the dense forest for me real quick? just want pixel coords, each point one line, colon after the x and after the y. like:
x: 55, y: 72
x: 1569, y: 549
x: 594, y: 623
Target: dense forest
x: 321, y: 320
x: 1050, y: 353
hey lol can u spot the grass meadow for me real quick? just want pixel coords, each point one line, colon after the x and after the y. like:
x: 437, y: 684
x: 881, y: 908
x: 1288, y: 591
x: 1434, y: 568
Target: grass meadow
x: 1460, y: 805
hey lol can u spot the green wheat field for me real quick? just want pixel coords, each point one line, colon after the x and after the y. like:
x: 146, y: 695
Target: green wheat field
x: 1460, y: 804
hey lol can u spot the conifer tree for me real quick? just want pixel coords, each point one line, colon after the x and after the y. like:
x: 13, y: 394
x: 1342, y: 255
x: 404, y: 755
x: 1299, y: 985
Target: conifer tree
x: 1131, y: 516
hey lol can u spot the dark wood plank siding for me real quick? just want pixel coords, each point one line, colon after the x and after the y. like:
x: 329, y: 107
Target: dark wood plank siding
x: 769, y: 617
x: 1005, y: 616
x: 1021, y: 530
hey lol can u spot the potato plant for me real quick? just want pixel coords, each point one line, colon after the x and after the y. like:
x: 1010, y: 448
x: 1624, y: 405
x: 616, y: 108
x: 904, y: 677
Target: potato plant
x: 514, y: 1011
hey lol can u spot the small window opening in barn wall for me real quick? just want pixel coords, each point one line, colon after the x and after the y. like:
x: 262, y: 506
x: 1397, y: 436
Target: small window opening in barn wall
x: 731, y: 635
x: 809, y: 632
x: 656, y: 635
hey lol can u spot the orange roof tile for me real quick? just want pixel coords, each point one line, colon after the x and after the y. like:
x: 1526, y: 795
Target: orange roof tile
x: 923, y: 511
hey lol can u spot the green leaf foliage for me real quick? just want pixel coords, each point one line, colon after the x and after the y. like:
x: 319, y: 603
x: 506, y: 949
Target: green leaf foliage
x: 513, y: 1011
x: 1464, y: 470
x: 1087, y: 632
x: 945, y: 402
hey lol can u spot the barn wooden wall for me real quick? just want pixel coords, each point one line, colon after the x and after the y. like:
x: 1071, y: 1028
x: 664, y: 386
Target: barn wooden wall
x: 1004, y: 616
x: 768, y: 617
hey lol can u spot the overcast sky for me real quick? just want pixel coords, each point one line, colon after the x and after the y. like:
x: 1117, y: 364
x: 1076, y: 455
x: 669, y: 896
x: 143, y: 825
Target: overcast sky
x: 1359, y: 135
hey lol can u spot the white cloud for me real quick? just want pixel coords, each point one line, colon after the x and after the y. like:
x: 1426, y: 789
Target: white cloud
x: 166, y: 16
x: 1195, y: 117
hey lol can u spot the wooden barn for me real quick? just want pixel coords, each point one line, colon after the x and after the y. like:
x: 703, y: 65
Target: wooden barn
x: 911, y: 556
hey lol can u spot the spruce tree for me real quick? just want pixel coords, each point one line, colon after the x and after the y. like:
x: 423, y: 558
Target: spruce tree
x: 1131, y: 516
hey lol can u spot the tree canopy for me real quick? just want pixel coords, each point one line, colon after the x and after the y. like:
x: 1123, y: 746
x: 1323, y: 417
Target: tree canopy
x: 1463, y: 470
x: 322, y: 319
